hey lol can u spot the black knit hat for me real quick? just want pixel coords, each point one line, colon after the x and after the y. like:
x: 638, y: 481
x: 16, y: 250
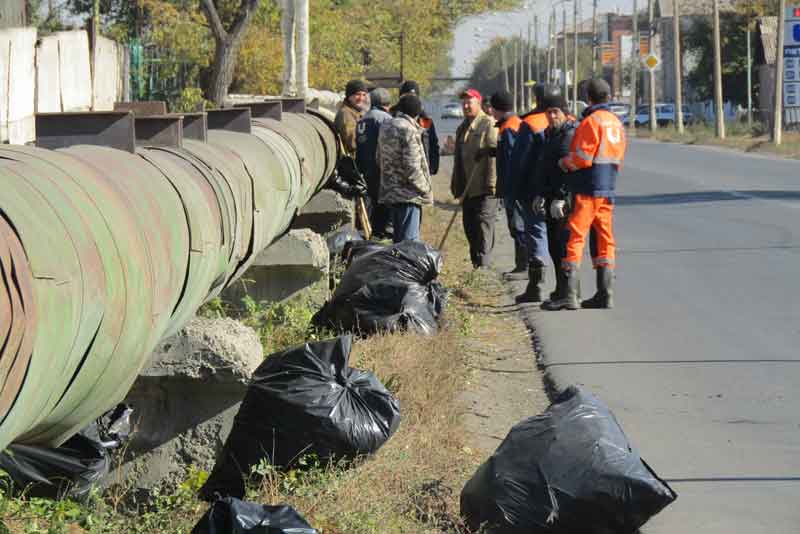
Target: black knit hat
x: 409, y: 87
x: 599, y: 91
x: 551, y: 97
x: 355, y: 86
x: 502, y: 101
x: 410, y: 104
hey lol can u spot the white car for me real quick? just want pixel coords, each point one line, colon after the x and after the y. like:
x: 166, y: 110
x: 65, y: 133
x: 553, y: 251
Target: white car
x: 452, y: 111
x: 665, y: 115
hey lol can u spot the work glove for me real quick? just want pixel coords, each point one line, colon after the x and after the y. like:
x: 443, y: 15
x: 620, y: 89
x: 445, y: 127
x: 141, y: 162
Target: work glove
x: 558, y: 209
x: 538, y: 206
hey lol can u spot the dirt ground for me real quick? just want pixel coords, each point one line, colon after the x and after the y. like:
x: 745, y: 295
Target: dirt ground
x: 506, y: 385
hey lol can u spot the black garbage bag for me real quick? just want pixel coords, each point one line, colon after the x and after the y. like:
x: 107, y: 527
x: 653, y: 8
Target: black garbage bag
x: 570, y: 470
x: 232, y: 516
x: 72, y: 469
x: 55, y: 473
x: 304, y: 401
x: 388, y: 288
x: 341, y: 238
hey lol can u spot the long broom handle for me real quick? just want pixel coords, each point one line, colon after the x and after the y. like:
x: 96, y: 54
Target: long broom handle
x: 459, y: 203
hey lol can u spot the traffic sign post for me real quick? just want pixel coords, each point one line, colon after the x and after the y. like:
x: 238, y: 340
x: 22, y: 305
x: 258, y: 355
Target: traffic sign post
x: 791, y: 67
x: 651, y: 61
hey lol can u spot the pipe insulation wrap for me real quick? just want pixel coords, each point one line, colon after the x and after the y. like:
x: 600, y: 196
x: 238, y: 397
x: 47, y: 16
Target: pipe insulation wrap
x: 104, y: 253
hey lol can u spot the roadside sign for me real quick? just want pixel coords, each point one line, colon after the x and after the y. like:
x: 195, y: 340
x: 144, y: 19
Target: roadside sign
x: 791, y: 66
x: 651, y: 61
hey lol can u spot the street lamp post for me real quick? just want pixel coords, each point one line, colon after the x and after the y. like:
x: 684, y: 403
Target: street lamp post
x: 575, y: 58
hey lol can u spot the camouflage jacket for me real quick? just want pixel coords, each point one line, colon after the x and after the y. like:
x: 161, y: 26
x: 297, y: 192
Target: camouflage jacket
x: 345, y: 124
x: 405, y: 176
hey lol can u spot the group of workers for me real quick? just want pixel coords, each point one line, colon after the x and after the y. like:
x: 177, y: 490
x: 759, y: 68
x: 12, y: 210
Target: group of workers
x: 396, y: 149
x: 555, y: 175
x: 558, y: 177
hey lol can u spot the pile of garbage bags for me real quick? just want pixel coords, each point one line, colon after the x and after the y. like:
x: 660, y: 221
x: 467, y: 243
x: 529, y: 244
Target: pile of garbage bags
x: 72, y: 469
x: 301, y: 402
x: 570, y: 470
x: 387, y: 288
x: 232, y: 516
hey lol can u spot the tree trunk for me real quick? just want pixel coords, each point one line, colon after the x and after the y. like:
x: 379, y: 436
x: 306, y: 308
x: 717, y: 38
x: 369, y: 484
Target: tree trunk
x: 222, y: 73
x: 228, y: 43
x: 303, y: 45
x: 288, y: 33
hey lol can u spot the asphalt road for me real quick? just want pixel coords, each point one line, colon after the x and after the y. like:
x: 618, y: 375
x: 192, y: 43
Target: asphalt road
x: 700, y: 360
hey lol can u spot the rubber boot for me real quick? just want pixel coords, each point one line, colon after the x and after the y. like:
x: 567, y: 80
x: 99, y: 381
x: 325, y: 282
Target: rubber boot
x: 520, y: 271
x: 604, y: 298
x: 560, y: 282
x: 534, y: 291
x: 569, y: 300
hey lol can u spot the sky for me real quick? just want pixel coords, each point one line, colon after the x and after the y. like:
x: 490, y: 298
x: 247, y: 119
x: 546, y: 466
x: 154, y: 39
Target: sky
x: 467, y: 46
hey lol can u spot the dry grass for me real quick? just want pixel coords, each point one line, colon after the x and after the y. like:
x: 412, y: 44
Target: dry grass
x: 413, y: 483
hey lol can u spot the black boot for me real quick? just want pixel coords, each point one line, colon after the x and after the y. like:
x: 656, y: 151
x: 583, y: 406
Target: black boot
x: 558, y: 292
x: 534, y: 291
x: 569, y: 299
x: 604, y: 298
x: 520, y: 271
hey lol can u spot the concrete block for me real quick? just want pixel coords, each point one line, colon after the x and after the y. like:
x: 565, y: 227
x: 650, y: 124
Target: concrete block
x: 185, y: 401
x: 325, y: 212
x: 294, y: 267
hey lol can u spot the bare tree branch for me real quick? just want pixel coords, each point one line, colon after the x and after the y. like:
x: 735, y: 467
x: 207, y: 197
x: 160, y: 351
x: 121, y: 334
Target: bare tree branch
x: 213, y: 19
x: 246, y: 11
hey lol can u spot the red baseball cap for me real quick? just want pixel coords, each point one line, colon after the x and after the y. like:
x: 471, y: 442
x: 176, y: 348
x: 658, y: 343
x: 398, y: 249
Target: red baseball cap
x: 473, y: 93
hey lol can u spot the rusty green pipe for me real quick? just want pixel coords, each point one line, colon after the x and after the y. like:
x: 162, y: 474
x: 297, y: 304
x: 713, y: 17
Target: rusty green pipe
x: 104, y: 253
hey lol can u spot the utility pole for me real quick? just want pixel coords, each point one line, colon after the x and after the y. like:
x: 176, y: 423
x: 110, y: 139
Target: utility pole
x: 515, y: 56
x: 521, y: 72
x: 536, y: 51
x: 504, y: 65
x: 553, y: 38
x: 652, y: 78
x: 777, y: 119
x: 718, y: 108
x: 634, y: 65
x: 528, y: 89
x: 749, y: 79
x: 564, y: 37
x: 676, y: 51
x: 575, y: 58
x: 594, y: 39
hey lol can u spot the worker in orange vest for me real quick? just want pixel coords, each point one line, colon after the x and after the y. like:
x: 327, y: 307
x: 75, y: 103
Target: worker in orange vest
x: 593, y: 163
x: 524, y: 159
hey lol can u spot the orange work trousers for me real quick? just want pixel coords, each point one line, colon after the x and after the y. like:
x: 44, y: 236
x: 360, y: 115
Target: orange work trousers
x: 596, y: 214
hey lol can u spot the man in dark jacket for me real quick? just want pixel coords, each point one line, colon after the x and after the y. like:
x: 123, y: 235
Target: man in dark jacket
x: 508, y: 124
x: 352, y: 109
x: 429, y: 138
x: 524, y: 160
x: 550, y: 188
x: 367, y: 155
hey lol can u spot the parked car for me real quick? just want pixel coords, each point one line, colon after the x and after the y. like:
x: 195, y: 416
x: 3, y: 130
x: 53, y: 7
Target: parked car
x: 665, y: 115
x: 620, y: 109
x: 581, y: 106
x: 452, y: 111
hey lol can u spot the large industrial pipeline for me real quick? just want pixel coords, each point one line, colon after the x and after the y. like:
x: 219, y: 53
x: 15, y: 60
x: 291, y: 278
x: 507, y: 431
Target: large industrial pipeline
x: 106, y: 251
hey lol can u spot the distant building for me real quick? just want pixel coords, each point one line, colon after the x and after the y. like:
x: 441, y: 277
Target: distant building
x: 13, y: 13
x: 690, y: 14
